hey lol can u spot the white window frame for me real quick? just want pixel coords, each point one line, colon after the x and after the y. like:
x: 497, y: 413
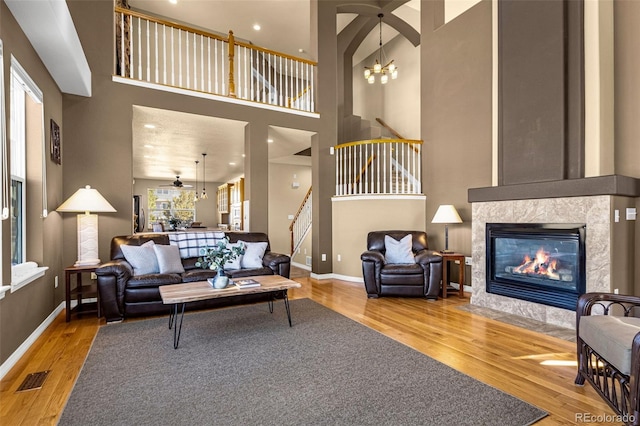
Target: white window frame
x: 4, y: 205
x: 24, y: 272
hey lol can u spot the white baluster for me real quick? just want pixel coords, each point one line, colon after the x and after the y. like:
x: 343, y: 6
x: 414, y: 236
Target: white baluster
x: 148, y: 55
x: 173, y: 61
x: 156, y: 58
x: 209, y: 64
x: 180, y: 57
x: 164, y: 54
x: 215, y: 64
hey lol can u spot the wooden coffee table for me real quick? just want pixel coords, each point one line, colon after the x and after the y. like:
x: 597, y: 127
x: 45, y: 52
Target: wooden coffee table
x: 179, y: 295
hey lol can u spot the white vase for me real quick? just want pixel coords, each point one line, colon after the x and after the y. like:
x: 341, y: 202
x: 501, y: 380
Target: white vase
x: 221, y: 280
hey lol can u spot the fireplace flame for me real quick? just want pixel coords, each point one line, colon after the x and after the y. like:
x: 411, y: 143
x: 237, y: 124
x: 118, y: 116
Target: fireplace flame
x: 542, y: 264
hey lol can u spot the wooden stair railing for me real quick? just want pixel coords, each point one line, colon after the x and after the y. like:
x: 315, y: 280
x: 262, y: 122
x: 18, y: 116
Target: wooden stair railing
x: 386, y: 126
x: 295, y: 244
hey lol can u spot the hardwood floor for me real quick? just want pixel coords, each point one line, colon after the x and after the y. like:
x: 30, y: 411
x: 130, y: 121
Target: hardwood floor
x: 507, y: 357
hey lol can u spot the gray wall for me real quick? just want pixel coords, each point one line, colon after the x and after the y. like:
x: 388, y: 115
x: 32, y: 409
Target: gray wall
x: 627, y: 107
x: 23, y: 311
x: 456, y: 64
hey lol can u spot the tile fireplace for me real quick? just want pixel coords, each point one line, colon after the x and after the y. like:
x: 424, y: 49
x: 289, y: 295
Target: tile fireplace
x: 587, y: 216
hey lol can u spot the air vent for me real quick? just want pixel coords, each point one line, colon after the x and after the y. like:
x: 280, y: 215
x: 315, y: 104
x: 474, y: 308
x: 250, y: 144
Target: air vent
x: 33, y: 381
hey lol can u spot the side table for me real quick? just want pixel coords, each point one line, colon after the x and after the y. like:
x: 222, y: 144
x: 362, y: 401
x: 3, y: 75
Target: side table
x: 451, y: 257
x: 80, y: 291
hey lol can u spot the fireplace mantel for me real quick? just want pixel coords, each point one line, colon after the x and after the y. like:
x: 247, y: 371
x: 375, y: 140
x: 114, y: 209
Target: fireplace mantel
x: 601, y: 185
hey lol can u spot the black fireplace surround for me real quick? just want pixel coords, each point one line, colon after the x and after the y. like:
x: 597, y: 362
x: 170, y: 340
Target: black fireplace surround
x: 541, y: 263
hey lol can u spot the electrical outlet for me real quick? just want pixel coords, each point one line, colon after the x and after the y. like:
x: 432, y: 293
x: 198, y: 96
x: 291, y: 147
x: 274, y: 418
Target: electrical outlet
x: 324, y: 257
x: 55, y: 282
x: 339, y: 258
x: 467, y: 261
x: 630, y: 213
x: 615, y: 291
x: 94, y: 276
x: 616, y: 215
x: 308, y: 260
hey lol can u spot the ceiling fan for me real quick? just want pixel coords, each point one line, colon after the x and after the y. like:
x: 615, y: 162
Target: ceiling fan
x: 178, y: 184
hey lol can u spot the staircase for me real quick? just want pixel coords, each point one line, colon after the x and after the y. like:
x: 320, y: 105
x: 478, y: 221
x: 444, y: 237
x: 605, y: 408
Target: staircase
x: 301, y: 223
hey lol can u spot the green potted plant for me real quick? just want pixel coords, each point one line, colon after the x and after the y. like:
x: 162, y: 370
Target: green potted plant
x: 174, y: 222
x: 216, y: 257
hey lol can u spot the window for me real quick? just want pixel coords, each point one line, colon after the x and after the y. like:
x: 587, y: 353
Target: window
x: 166, y: 204
x: 4, y: 165
x: 27, y: 178
x: 18, y: 168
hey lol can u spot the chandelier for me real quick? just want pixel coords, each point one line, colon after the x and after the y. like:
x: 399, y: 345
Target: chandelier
x: 378, y: 68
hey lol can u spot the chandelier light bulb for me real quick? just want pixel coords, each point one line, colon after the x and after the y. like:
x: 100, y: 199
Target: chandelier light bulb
x: 384, y: 79
x: 377, y: 68
x: 392, y: 67
x: 367, y: 73
x: 394, y: 74
x: 371, y: 79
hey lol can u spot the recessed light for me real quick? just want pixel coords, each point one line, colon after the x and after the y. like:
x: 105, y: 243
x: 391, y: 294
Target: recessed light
x: 301, y: 50
x: 242, y: 155
x: 256, y: 27
x: 148, y: 146
x: 148, y: 156
x: 232, y: 164
x: 173, y: 1
x: 149, y: 126
x: 270, y: 140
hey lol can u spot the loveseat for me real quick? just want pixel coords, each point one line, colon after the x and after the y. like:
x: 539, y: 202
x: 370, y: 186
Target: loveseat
x: 125, y: 290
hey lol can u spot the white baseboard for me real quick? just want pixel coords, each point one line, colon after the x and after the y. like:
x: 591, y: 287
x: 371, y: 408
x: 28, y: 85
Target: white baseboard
x: 301, y: 266
x: 24, y: 347
x: 337, y: 277
x: 457, y: 286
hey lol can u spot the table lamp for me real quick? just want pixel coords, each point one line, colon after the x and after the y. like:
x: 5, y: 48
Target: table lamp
x: 87, y: 200
x: 446, y: 214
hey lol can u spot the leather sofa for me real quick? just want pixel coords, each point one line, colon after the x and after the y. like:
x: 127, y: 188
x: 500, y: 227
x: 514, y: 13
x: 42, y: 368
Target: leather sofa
x: 421, y: 279
x: 124, y: 294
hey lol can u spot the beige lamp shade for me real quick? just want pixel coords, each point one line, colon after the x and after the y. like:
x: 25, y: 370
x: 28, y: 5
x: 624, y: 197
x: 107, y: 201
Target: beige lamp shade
x: 84, y: 201
x: 446, y: 213
x: 87, y: 200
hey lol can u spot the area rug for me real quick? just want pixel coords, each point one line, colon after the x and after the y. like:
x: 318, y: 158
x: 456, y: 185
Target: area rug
x: 245, y: 366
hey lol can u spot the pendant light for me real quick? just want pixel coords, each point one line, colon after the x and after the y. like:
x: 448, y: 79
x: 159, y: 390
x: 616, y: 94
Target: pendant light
x: 204, y: 195
x: 195, y: 198
x: 378, y: 68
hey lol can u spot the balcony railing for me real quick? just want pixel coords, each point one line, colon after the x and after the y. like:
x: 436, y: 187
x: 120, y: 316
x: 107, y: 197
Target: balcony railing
x: 379, y: 167
x: 156, y: 51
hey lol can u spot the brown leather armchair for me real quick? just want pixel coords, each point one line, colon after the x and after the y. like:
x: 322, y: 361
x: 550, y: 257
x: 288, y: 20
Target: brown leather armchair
x: 421, y: 279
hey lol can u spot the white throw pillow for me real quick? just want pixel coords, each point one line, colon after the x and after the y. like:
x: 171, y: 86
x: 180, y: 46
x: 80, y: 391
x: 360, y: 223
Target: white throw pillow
x: 235, y: 263
x: 142, y: 258
x: 168, y: 259
x: 253, y: 254
x: 399, y: 252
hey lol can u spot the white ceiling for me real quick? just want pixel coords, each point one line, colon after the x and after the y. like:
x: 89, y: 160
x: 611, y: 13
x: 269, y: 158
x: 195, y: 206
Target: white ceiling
x: 284, y: 23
